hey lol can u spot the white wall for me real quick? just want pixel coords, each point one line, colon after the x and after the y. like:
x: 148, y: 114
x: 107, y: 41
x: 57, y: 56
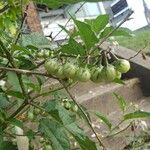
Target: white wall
x: 139, y: 19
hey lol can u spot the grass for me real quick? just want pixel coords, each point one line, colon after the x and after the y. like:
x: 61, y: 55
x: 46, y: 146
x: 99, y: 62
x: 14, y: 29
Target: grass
x: 137, y: 42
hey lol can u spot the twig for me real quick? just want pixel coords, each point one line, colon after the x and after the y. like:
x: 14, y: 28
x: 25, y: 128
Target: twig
x: 45, y: 93
x: 20, y: 30
x: 138, y: 52
x: 27, y: 72
x: 67, y: 22
x: 119, y: 131
x: 85, y: 115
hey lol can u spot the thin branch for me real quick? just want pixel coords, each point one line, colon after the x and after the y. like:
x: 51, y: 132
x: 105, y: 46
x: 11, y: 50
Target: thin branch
x: 138, y: 52
x: 85, y: 115
x: 124, y: 129
x: 27, y: 72
x: 46, y: 93
x: 24, y: 104
x: 68, y: 21
x: 20, y: 30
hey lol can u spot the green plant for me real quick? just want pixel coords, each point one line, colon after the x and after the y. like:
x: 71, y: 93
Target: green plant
x: 57, y: 118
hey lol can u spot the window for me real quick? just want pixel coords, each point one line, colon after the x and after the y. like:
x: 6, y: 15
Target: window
x: 118, y: 7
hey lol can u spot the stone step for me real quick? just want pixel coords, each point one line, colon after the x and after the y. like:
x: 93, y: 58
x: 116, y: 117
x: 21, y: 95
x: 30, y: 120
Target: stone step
x: 101, y: 97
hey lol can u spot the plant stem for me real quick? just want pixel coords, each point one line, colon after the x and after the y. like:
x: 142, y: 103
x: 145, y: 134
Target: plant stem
x: 27, y: 72
x: 85, y: 115
x: 112, y: 135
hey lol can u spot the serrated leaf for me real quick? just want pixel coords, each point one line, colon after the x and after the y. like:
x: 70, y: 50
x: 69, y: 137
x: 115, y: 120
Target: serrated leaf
x: 137, y: 114
x: 99, y: 23
x: 118, y: 32
x: 73, y: 47
x: 104, y: 119
x: 87, y: 35
x: 55, y: 134
x: 121, y: 101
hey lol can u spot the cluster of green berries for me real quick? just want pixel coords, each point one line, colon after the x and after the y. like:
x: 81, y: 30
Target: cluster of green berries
x: 96, y: 74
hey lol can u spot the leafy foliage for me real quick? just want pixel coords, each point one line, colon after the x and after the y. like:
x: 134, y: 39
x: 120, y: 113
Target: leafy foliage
x: 24, y: 96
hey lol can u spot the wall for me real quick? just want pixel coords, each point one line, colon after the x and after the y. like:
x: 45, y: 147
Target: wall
x: 139, y: 19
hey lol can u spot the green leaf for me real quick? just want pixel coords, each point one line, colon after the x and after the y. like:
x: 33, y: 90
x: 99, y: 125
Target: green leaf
x: 13, y: 81
x: 16, y: 122
x: 104, y: 119
x: 71, y: 34
x: 87, y: 35
x: 2, y: 116
x: 7, y: 146
x: 4, y: 103
x: 68, y: 123
x: 33, y: 86
x: 25, y: 62
x: 35, y: 39
x: 15, y: 94
x: 54, y: 132
x: 82, y: 139
x: 73, y: 47
x: 137, y: 114
x: 119, y: 81
x: 58, y: 112
x: 30, y: 134
x: 20, y: 48
x: 118, y: 32
x: 121, y: 101
x: 85, y: 143
x: 99, y: 23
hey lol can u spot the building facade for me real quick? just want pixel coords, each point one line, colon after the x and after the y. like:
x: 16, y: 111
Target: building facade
x: 117, y: 10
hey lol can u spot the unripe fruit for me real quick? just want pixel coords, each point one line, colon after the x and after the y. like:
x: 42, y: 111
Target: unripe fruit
x: 30, y: 115
x: 48, y: 147
x: 42, y: 140
x: 118, y: 75
x: 37, y: 111
x: 69, y: 70
x: 83, y: 74
x: 46, y: 53
x: 60, y: 73
x: 75, y: 108
x: 67, y: 105
x: 95, y: 74
x: 122, y: 65
x: 40, y: 54
x: 51, y: 66
x: 108, y: 73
